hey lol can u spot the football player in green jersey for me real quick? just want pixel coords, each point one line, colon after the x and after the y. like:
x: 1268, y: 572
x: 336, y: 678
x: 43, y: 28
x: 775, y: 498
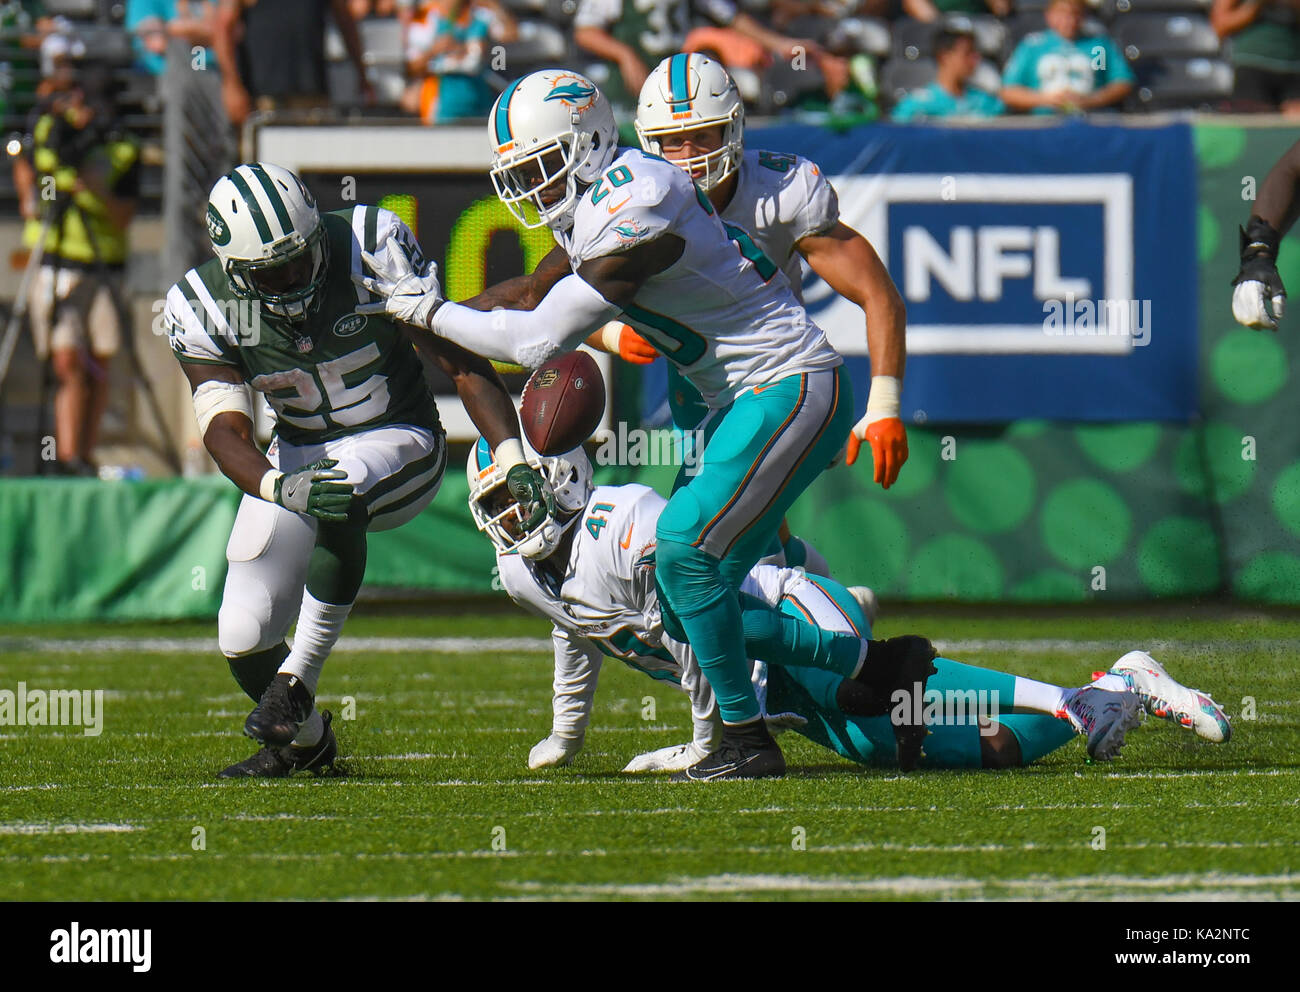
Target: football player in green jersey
x: 358, y: 445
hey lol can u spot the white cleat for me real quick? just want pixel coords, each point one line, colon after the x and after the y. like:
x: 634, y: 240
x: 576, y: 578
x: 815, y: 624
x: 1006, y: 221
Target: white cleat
x: 866, y: 599
x: 1165, y: 697
x: 1103, y: 715
x: 676, y: 758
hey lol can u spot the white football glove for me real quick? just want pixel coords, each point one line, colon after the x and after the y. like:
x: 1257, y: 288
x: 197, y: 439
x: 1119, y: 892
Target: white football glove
x: 1248, y: 305
x: 779, y: 723
x: 677, y: 758
x: 554, y: 751
x: 408, y: 296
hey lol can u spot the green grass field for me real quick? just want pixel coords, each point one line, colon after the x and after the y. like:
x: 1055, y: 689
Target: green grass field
x: 437, y: 783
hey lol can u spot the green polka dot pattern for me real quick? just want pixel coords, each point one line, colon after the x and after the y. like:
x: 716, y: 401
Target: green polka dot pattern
x: 1033, y: 511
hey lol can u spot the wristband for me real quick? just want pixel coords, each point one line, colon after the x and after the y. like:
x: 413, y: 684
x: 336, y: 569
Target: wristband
x: 266, y: 489
x: 884, y: 399
x: 509, y: 453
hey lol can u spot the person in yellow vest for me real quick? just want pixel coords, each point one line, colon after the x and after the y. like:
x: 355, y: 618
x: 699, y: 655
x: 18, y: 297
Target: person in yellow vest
x: 78, y: 183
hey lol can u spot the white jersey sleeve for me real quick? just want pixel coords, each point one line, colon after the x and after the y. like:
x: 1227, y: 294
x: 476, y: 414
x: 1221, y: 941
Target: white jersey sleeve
x: 577, y: 669
x: 815, y: 207
x: 391, y: 234
x: 612, y: 218
x: 198, y: 331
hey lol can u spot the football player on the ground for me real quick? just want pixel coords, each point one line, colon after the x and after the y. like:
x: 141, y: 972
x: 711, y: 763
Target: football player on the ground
x: 643, y: 241
x: 589, y: 570
x: 1258, y: 285
x: 358, y: 445
x: 690, y: 112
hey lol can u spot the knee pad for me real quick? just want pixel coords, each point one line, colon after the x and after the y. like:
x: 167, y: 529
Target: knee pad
x: 247, y: 621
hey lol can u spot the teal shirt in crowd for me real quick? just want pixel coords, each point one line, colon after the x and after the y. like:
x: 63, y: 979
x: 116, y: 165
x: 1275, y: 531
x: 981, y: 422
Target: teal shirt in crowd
x: 935, y: 101
x: 1047, y: 62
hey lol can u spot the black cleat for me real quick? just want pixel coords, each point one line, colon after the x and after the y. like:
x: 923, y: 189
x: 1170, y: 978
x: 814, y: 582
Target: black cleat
x: 284, y: 706
x: 281, y: 762
x: 746, y: 752
x: 915, y: 656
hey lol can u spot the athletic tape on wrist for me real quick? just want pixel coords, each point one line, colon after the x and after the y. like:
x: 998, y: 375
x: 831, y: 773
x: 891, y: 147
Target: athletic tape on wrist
x: 884, y: 401
x: 266, y: 489
x: 509, y: 453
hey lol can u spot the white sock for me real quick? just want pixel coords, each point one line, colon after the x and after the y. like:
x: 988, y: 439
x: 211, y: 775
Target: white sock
x: 311, y: 731
x: 319, y: 626
x: 1039, y: 697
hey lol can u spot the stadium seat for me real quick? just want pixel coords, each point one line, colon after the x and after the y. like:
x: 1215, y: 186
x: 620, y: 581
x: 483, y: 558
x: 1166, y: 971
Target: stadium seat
x: 381, y: 40
x: 783, y: 85
x: 1123, y: 8
x: 72, y: 8
x: 902, y: 75
x: 1144, y: 36
x: 1198, y: 83
x: 913, y: 39
x: 538, y: 43
x: 990, y: 36
x: 864, y: 34
x: 987, y: 77
x: 1023, y: 23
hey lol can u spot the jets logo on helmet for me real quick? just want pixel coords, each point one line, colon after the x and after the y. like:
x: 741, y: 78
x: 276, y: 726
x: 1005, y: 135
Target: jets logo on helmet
x: 550, y: 132
x: 266, y: 230
x: 218, y: 232
x: 686, y: 93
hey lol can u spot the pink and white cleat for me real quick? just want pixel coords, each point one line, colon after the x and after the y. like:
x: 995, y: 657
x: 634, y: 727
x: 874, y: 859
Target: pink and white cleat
x: 1165, y: 697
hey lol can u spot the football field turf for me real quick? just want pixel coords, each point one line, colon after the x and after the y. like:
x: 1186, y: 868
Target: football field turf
x: 438, y: 803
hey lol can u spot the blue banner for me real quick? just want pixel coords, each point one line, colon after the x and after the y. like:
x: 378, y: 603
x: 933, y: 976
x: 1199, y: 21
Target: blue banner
x: 1017, y: 254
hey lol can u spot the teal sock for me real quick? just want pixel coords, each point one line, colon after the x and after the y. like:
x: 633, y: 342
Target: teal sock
x: 1038, y: 733
x: 781, y: 639
x: 708, y: 612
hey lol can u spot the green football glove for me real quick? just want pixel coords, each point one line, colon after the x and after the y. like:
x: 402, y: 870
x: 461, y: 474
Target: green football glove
x: 532, y: 492
x: 312, y: 490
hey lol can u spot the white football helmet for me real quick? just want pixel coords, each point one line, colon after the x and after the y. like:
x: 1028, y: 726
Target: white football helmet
x: 497, y: 513
x: 548, y: 126
x: 265, y: 228
x: 687, y: 92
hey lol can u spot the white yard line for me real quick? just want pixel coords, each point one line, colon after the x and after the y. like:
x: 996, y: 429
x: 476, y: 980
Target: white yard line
x: 25, y: 829
x: 480, y: 645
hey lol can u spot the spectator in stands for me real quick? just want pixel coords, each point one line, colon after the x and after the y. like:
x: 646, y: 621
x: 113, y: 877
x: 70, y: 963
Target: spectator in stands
x: 77, y: 148
x: 1265, y: 52
x: 1060, y: 71
x: 930, y: 11
x: 23, y: 24
x: 153, y: 23
x: 447, y: 57
x: 951, y: 95
x: 633, y: 35
x: 272, y: 54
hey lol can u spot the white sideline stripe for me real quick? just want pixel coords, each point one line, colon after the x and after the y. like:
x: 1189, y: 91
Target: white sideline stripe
x: 478, y: 645
x: 28, y: 829
x: 913, y: 884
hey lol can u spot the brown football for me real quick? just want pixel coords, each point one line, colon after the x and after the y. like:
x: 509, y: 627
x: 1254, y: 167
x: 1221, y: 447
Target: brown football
x: 562, y: 403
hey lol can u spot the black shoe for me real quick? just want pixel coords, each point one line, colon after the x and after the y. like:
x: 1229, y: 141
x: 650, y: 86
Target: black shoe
x: 915, y: 664
x: 891, y: 665
x: 746, y: 752
x: 284, y: 706
x: 280, y: 762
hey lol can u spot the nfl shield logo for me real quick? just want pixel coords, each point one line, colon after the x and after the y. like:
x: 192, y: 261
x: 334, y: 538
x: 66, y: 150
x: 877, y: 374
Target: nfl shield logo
x: 305, y: 344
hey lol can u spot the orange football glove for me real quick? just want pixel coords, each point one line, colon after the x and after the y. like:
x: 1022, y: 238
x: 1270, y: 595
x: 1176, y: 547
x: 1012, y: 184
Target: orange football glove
x: 888, y: 440
x: 619, y: 339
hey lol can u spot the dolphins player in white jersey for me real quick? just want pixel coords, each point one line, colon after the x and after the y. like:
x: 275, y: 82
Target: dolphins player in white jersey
x: 642, y: 241
x: 589, y: 569
x: 690, y: 113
